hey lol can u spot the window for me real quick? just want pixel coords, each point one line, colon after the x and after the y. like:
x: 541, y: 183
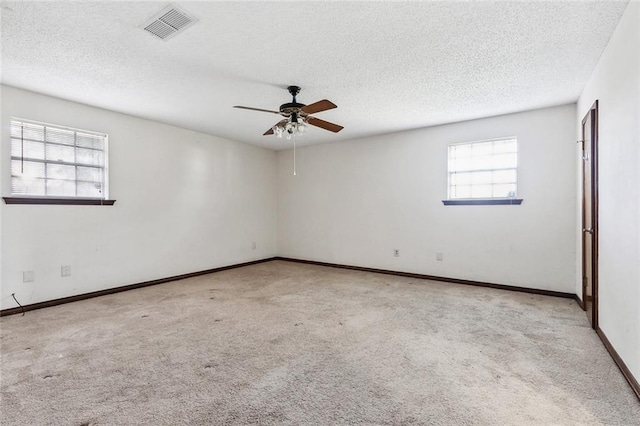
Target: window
x: 57, y: 162
x: 485, y: 170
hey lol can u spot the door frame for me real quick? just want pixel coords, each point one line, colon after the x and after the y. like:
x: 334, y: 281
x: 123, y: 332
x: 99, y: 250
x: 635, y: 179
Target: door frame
x: 593, y: 113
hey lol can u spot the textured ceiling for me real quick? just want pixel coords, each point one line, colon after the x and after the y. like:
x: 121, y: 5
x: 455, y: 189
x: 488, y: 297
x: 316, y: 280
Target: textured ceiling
x: 389, y: 66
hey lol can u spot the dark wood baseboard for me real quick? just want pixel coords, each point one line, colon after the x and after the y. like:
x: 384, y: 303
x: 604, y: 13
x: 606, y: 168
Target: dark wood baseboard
x: 578, y: 301
x: 619, y: 362
x: 69, y: 299
x: 435, y: 278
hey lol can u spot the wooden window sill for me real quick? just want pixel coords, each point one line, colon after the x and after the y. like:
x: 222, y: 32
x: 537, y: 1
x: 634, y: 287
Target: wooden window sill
x: 59, y: 201
x: 483, y: 202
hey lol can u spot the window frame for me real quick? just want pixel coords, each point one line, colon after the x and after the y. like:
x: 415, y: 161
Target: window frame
x: 483, y: 200
x: 17, y: 198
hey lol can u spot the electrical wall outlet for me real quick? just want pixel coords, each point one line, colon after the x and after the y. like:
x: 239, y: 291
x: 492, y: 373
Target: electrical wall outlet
x: 439, y: 257
x: 28, y: 276
x: 65, y: 271
x: 396, y: 252
x: 254, y: 245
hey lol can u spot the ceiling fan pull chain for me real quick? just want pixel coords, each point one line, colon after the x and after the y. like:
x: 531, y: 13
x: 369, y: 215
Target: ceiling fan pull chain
x: 294, y: 154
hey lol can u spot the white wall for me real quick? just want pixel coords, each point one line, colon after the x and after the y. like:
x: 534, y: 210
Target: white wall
x: 614, y: 83
x: 1, y: 179
x: 185, y: 202
x: 354, y: 202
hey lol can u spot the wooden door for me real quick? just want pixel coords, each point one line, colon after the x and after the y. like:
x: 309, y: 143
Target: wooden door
x: 590, y: 215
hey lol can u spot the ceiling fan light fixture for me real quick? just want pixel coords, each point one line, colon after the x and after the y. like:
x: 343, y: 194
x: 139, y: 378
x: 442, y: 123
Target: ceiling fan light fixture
x: 289, y: 128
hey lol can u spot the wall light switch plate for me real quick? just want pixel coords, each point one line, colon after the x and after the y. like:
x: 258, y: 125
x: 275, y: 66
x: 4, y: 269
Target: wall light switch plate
x: 65, y: 271
x: 439, y: 257
x: 28, y: 276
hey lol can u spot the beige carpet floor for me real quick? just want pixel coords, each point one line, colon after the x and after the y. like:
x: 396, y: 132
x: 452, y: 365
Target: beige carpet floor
x: 287, y: 343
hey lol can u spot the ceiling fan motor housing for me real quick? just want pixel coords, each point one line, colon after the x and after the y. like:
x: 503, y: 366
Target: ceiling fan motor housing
x: 292, y: 107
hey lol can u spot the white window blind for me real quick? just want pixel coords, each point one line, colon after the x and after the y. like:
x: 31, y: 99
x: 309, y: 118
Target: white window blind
x: 486, y: 169
x: 56, y: 161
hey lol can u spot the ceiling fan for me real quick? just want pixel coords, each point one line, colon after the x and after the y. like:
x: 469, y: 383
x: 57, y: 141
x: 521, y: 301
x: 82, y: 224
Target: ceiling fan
x: 297, y: 116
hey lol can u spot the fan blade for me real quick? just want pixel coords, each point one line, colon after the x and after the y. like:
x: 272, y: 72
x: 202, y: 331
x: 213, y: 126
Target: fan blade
x: 319, y: 106
x: 335, y: 128
x: 257, y: 109
x: 270, y: 131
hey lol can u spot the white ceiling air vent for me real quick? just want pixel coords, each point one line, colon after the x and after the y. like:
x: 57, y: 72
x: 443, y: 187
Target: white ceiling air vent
x: 169, y: 22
